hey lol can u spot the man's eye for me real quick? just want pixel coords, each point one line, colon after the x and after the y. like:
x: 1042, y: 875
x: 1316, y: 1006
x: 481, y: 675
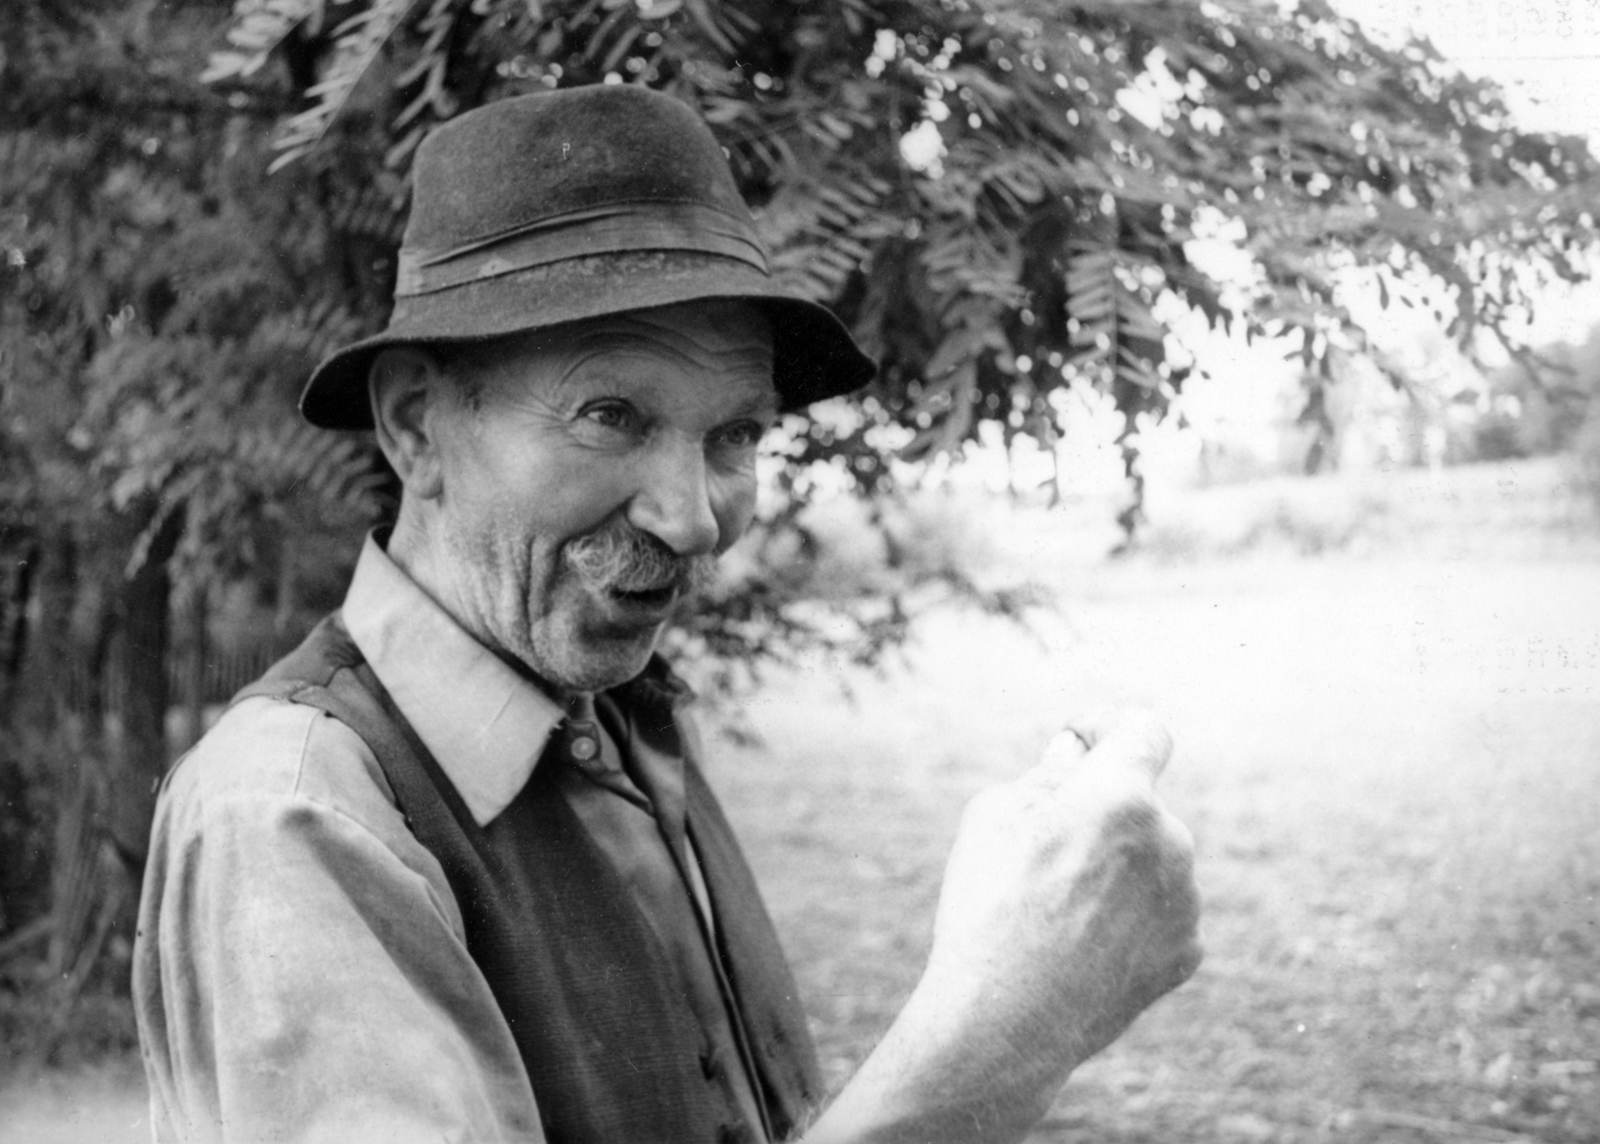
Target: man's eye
x: 611, y: 415
x: 741, y: 434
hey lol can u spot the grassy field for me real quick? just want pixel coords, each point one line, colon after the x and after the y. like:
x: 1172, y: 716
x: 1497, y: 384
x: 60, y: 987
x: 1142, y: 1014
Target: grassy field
x: 1386, y: 697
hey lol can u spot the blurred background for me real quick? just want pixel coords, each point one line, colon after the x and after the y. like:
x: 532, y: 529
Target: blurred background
x: 1239, y: 359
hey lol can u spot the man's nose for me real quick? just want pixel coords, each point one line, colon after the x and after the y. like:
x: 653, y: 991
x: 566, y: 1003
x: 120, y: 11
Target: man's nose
x: 674, y: 503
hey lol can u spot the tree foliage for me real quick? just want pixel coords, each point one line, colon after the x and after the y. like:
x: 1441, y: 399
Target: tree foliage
x: 1000, y: 197
x: 1069, y: 152
x: 156, y: 299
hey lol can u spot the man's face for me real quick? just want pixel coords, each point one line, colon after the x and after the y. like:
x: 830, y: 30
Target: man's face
x: 597, y: 467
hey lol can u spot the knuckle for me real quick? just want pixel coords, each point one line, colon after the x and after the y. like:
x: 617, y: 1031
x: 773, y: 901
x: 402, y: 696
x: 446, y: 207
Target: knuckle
x: 1147, y: 734
x: 1189, y: 961
x: 1179, y: 880
x: 1158, y: 750
x: 1185, y: 905
x: 1134, y: 815
x: 1178, y: 837
x: 1137, y: 742
x: 1149, y: 726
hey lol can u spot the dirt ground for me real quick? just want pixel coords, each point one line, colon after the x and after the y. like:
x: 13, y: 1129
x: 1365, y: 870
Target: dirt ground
x: 1390, y: 758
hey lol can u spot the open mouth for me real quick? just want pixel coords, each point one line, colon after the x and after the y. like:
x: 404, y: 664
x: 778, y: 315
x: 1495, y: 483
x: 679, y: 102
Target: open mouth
x: 653, y: 597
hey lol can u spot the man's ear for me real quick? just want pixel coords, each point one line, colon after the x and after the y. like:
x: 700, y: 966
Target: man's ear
x: 403, y: 384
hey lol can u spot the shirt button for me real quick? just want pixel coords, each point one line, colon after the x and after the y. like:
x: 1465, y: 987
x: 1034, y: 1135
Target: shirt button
x: 584, y: 748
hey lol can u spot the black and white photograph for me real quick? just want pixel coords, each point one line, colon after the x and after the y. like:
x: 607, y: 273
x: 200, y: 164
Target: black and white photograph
x: 800, y: 571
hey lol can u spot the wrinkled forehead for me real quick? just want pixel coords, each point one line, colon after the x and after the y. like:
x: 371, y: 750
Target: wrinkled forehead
x: 723, y: 344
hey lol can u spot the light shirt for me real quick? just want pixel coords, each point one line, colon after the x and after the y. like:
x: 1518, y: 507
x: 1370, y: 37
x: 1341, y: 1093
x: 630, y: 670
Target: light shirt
x: 301, y: 969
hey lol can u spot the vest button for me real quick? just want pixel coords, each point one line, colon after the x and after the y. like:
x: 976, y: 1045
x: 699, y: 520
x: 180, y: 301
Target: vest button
x: 736, y: 1132
x: 711, y: 1064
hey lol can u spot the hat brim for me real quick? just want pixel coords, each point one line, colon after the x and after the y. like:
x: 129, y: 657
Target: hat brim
x: 814, y: 356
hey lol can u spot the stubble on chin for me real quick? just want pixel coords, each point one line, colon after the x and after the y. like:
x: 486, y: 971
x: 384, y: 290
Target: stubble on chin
x: 542, y: 617
x: 574, y: 650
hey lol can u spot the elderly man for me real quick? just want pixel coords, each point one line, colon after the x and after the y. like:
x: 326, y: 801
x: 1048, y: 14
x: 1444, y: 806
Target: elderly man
x: 451, y: 871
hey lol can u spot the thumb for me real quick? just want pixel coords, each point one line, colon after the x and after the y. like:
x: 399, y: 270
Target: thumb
x: 1135, y: 737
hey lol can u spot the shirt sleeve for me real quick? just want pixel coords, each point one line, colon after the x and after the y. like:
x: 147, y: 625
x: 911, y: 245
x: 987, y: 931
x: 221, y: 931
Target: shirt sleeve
x: 300, y: 972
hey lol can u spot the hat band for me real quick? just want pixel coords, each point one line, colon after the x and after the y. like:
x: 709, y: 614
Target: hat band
x: 616, y: 229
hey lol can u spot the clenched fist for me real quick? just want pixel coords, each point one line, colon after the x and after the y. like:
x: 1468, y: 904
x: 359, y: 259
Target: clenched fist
x: 1068, y: 906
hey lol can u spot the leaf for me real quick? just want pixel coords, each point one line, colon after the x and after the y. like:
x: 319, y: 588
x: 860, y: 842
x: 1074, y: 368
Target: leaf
x: 257, y: 28
x: 357, y: 42
x: 1116, y: 333
x: 701, y: 12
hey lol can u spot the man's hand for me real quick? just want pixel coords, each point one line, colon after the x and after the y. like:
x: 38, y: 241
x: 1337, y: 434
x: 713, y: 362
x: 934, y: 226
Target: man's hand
x: 1069, y: 896
x: 1068, y: 906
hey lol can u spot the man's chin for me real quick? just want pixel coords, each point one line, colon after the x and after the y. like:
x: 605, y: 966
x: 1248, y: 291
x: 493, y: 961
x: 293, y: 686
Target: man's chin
x: 597, y: 661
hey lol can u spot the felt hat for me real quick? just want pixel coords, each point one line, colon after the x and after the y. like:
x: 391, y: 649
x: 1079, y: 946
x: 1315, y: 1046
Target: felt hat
x: 573, y: 204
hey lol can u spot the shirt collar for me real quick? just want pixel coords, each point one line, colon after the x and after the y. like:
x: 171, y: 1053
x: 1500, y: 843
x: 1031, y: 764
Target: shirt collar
x: 484, y: 724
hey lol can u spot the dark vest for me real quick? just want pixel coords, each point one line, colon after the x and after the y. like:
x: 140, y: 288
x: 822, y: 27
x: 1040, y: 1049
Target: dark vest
x: 613, y: 1049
